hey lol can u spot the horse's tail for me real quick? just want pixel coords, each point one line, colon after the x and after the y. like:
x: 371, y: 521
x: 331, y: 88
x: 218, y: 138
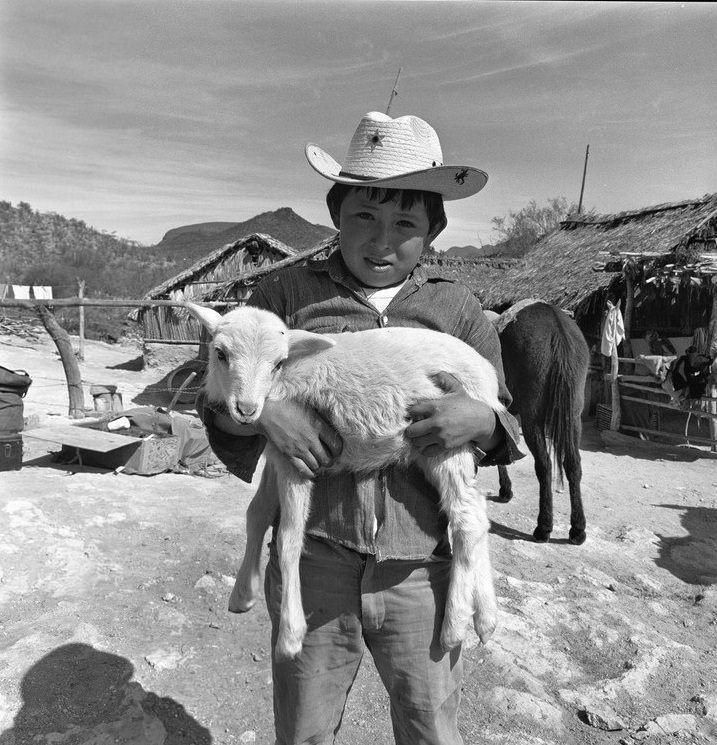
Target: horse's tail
x: 565, y: 395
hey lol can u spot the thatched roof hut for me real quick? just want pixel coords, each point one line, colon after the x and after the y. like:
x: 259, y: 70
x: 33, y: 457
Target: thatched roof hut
x: 163, y: 325
x: 654, y: 253
x: 561, y: 268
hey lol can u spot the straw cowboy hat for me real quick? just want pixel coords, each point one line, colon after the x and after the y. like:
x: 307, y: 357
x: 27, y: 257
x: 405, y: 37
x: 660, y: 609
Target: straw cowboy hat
x: 402, y: 153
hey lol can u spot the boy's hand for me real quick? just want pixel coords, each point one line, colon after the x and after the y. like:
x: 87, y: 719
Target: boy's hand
x: 451, y: 421
x: 304, y: 437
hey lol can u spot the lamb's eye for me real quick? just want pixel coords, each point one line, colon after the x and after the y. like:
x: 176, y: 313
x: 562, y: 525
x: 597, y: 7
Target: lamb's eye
x: 278, y: 366
x: 221, y: 355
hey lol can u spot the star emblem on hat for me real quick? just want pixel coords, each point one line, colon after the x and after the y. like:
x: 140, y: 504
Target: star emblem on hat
x: 375, y: 140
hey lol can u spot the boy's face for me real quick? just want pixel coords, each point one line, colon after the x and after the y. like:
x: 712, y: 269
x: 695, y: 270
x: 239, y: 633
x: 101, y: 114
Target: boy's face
x: 381, y: 243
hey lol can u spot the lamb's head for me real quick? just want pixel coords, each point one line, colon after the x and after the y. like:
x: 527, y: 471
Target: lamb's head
x: 248, y: 349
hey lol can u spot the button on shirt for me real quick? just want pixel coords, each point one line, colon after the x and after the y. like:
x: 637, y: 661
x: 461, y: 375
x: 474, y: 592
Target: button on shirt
x: 394, y: 513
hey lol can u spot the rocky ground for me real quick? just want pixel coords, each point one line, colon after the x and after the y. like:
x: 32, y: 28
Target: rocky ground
x: 113, y: 591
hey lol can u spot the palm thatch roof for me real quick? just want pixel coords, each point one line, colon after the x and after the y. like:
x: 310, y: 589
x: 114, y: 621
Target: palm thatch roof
x: 569, y: 265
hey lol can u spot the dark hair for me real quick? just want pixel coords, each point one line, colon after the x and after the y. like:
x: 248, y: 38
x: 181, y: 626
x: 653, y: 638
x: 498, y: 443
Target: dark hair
x: 406, y: 198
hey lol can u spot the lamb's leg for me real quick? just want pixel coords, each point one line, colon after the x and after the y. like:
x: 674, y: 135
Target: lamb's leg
x: 505, y: 493
x: 260, y: 515
x: 294, y: 499
x: 471, y: 593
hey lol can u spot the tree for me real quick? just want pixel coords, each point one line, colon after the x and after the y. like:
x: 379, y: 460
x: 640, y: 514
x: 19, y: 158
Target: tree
x: 522, y: 229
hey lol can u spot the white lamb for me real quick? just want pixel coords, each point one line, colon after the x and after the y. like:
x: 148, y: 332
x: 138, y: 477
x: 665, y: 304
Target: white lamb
x: 363, y: 383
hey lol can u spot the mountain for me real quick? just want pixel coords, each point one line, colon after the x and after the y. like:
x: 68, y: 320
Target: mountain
x: 471, y: 252
x: 191, y: 242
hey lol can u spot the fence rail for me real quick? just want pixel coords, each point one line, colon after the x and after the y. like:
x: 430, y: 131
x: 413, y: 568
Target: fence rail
x: 76, y: 302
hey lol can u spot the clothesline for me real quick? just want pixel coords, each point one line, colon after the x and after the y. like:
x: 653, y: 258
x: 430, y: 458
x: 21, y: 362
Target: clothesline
x: 25, y: 292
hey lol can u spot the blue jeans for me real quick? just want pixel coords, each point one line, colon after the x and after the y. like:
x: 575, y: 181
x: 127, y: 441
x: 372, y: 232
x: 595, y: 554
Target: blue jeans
x: 396, y: 609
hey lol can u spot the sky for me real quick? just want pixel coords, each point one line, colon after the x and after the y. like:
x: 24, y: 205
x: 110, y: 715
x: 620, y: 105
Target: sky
x: 141, y: 116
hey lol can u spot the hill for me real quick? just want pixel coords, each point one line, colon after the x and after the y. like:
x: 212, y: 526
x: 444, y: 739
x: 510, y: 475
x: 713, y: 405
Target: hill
x: 48, y: 249
x: 191, y: 242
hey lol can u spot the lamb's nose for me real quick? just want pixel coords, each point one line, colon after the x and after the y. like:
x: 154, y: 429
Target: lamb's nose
x: 245, y: 409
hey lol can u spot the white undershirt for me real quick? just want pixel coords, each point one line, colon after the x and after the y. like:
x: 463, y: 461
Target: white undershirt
x: 382, y: 297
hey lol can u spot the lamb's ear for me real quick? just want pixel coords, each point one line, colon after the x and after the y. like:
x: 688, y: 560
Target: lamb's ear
x: 208, y: 317
x: 304, y: 343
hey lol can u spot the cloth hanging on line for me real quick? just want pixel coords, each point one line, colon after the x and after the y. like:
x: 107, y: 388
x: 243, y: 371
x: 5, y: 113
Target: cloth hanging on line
x: 613, y: 330
x: 42, y: 292
x: 21, y: 292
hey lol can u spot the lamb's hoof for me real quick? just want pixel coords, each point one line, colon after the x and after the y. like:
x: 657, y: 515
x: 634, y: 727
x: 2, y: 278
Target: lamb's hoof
x: 504, y: 497
x: 288, y: 646
x: 484, y: 625
x: 452, y: 634
x: 577, y: 537
x: 241, y: 600
x: 541, y: 535
x: 237, y: 605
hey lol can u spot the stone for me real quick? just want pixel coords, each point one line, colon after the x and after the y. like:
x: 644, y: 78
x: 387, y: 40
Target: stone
x: 206, y: 582
x: 604, y: 718
x: 163, y: 659
x: 671, y: 724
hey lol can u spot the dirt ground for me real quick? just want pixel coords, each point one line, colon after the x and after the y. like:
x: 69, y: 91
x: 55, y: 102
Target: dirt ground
x: 113, y: 593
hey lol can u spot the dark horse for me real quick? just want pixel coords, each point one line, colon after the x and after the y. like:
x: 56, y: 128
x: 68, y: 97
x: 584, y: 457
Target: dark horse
x: 545, y: 358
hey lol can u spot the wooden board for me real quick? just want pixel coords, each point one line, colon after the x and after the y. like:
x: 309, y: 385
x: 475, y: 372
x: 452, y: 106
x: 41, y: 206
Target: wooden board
x: 81, y: 437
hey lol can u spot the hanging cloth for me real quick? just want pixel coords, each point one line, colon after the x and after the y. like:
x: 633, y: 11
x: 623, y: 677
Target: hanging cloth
x: 613, y: 330
x: 42, y: 292
x: 21, y: 292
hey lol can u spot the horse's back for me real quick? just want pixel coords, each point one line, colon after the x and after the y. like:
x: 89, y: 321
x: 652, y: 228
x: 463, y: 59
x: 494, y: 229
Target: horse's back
x: 538, y: 340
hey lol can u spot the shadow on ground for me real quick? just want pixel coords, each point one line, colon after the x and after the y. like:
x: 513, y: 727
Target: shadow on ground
x: 691, y: 558
x: 134, y: 365
x: 89, y: 696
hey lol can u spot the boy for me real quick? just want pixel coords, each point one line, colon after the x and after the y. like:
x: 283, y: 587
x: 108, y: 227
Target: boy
x: 376, y: 561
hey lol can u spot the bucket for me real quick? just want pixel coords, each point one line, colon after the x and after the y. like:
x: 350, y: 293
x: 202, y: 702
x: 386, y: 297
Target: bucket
x: 106, y: 398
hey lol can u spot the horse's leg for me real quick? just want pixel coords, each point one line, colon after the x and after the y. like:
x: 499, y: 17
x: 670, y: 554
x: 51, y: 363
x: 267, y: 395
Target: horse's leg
x: 574, y: 473
x: 260, y: 514
x: 294, y: 497
x: 535, y: 440
x: 505, y: 493
x: 471, y: 593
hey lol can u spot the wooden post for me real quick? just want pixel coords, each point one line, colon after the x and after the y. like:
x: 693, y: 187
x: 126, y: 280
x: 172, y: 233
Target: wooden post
x: 582, y: 185
x: 614, y: 390
x: 629, y: 306
x: 81, y: 294
x: 69, y: 361
x: 712, y: 350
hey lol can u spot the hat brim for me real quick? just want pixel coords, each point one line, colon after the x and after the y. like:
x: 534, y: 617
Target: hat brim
x: 451, y: 182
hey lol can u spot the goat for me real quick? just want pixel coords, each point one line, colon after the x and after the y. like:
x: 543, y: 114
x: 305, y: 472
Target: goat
x: 363, y: 384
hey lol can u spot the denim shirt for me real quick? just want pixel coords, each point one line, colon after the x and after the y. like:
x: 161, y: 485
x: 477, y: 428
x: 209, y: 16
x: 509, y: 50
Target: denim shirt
x: 394, y: 513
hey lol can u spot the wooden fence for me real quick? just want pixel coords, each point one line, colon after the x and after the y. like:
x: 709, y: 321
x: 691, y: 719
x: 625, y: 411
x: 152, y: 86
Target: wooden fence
x: 651, y: 408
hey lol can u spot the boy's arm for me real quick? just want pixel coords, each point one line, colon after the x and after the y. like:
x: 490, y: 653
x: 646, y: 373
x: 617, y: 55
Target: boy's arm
x: 456, y: 418
x: 481, y: 334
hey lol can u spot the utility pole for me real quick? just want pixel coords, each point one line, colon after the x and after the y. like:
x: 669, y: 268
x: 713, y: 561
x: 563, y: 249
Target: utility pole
x: 394, y: 92
x: 582, y: 187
